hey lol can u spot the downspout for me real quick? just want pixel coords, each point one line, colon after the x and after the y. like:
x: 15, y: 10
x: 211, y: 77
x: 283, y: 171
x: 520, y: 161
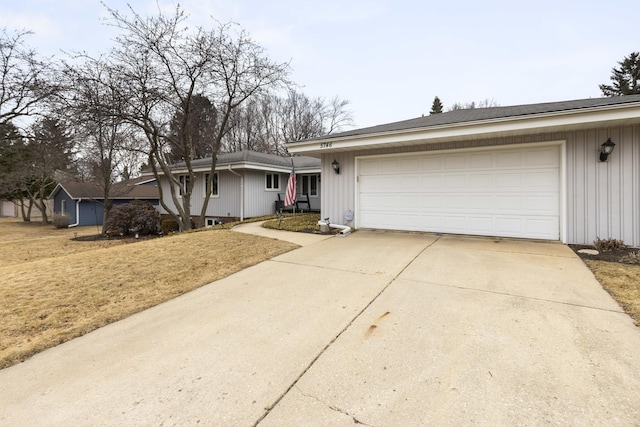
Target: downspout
x: 241, y: 192
x: 345, y: 230
x: 77, y: 214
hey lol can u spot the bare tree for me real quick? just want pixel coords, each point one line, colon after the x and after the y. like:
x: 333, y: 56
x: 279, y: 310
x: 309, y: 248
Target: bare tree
x: 485, y: 103
x: 94, y: 109
x: 162, y: 66
x: 25, y: 79
x: 266, y: 124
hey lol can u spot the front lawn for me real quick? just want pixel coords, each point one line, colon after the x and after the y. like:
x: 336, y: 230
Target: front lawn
x: 622, y: 281
x: 53, y: 289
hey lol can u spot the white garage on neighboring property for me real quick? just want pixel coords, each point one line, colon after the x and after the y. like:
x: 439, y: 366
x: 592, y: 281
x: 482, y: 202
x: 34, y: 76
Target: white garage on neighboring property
x: 531, y: 171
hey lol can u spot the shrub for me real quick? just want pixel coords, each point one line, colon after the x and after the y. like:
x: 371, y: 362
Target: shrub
x: 632, y: 258
x: 605, y: 245
x: 134, y: 217
x: 169, y: 225
x: 61, y: 221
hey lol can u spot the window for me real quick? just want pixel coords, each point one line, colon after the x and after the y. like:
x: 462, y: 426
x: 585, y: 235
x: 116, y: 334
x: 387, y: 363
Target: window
x: 272, y: 181
x: 210, y: 222
x: 63, y: 207
x: 214, y: 189
x: 184, y: 183
x: 310, y: 185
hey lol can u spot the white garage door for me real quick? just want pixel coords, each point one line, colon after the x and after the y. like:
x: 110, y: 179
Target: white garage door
x: 502, y: 192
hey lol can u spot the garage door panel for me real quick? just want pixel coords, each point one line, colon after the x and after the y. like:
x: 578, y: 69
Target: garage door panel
x: 454, y: 224
x: 432, y: 163
x: 455, y: 203
x: 508, y: 179
x: 541, y: 157
x: 483, y: 224
x: 511, y: 193
x: 455, y: 182
x: 540, y: 204
x: 480, y: 161
x: 481, y: 202
x: 430, y: 181
x: 508, y: 159
x: 485, y: 180
x: 455, y: 161
x: 540, y: 228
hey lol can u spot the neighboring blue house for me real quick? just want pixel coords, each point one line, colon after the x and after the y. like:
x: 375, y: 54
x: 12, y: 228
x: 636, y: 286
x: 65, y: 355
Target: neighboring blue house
x: 83, y: 202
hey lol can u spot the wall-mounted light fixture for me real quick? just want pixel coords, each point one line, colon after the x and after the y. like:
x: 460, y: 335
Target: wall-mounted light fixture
x: 336, y: 167
x: 605, y: 149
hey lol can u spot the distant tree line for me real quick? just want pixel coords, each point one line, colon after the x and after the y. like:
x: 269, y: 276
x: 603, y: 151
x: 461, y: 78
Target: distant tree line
x: 163, y: 93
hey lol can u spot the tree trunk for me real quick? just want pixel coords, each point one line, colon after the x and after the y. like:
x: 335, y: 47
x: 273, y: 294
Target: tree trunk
x: 43, y: 209
x: 26, y: 214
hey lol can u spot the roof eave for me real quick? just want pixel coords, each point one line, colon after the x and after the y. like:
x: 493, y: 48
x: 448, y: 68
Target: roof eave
x: 507, y: 126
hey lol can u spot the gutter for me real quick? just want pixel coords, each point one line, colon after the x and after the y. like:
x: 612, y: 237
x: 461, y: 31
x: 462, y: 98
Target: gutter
x: 501, y: 126
x: 241, y: 192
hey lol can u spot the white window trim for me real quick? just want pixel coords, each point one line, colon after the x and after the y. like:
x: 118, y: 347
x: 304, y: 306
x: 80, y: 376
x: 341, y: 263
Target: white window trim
x: 275, y: 189
x: 182, y: 185
x: 204, y: 190
x: 63, y: 207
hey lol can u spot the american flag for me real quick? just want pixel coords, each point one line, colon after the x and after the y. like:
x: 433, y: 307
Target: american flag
x: 290, y: 196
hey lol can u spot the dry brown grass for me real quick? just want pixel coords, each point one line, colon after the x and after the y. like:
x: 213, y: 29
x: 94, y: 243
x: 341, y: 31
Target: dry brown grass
x: 27, y: 241
x: 66, y: 289
x: 622, y: 281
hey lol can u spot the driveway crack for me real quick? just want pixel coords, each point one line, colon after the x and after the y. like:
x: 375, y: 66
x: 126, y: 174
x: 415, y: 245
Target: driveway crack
x: 334, y: 408
x: 269, y: 408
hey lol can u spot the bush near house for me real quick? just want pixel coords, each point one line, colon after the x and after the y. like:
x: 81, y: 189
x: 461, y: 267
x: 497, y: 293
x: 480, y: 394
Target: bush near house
x: 134, y: 217
x: 61, y: 221
x: 169, y: 225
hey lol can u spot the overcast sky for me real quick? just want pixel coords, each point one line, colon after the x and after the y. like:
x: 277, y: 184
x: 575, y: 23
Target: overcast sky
x: 390, y: 58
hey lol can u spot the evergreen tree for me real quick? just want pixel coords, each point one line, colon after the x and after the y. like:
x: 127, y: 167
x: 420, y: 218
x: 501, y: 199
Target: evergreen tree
x: 50, y: 148
x: 12, y: 152
x: 436, y: 107
x: 625, y: 80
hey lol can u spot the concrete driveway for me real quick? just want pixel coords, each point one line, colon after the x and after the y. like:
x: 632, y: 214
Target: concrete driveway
x: 377, y: 328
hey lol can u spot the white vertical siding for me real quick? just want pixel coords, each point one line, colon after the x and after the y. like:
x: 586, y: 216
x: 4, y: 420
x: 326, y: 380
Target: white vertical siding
x: 337, y: 193
x: 258, y: 200
x: 602, y: 198
x: 226, y: 204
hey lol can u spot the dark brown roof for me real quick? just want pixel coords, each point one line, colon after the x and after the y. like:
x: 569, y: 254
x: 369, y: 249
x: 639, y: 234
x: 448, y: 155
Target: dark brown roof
x: 131, y: 189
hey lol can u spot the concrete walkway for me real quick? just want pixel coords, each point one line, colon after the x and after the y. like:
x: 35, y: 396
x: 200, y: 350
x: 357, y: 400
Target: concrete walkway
x: 377, y: 328
x: 302, y: 239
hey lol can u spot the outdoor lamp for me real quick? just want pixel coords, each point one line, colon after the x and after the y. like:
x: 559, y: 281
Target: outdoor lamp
x: 336, y: 166
x: 605, y: 149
